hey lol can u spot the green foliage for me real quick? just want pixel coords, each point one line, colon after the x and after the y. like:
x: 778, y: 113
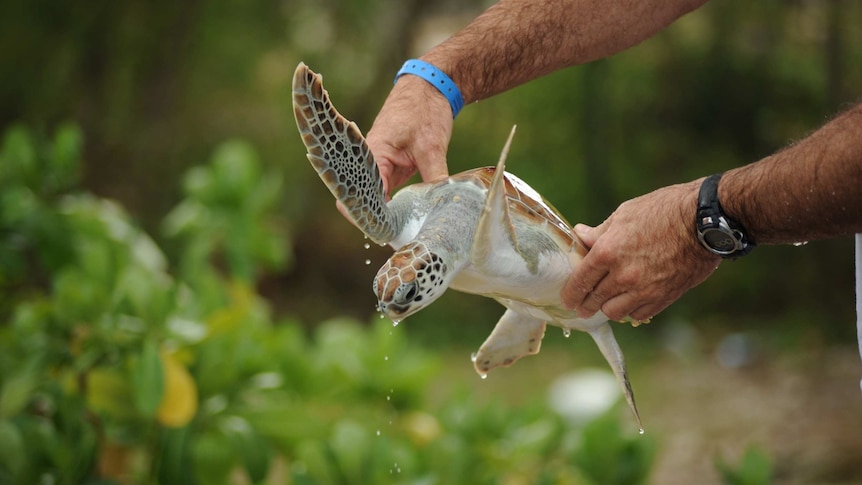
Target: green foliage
x: 754, y: 468
x: 607, y: 456
x: 116, y: 366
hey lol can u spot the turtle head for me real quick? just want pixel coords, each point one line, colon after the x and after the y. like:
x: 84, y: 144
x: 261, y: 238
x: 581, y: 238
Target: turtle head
x: 410, y: 280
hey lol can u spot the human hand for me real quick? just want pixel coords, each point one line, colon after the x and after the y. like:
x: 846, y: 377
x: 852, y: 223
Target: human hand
x: 411, y: 132
x: 642, y: 258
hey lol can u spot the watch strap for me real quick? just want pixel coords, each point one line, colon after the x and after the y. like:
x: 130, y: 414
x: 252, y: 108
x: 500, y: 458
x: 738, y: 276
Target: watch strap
x: 710, y: 215
x: 707, y: 198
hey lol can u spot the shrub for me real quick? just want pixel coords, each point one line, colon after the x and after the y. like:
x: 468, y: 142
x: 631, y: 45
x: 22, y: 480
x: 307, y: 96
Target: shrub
x: 118, y: 367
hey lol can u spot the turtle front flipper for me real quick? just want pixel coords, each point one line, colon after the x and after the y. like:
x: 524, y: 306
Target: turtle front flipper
x: 604, y: 338
x: 337, y: 150
x: 495, y: 233
x: 514, y: 337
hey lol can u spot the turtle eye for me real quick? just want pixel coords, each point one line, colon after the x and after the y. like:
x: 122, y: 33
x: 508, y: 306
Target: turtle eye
x: 406, y: 292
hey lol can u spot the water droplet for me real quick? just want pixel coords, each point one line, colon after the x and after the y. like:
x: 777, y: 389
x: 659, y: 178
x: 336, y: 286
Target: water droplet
x: 388, y: 398
x: 395, y: 322
x: 385, y: 357
x: 641, y: 431
x: 378, y: 432
x: 382, y: 316
x: 367, y: 246
x: 567, y: 332
x: 473, y: 357
x: 483, y: 376
x: 367, y: 262
x: 800, y: 243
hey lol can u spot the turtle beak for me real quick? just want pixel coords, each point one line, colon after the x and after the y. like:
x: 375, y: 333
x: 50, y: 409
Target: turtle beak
x: 393, y: 311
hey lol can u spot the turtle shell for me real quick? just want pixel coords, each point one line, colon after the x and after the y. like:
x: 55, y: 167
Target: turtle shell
x: 527, y: 206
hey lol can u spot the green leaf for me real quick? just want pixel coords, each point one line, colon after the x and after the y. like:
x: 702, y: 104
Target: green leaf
x: 18, y: 163
x: 148, y: 379
x: 350, y: 444
x: 236, y: 169
x: 68, y: 142
x: 12, y: 452
x: 213, y: 457
x: 174, y: 457
x: 317, y: 463
x: 109, y: 392
x: 78, y: 297
x: 16, y: 392
x: 253, y: 449
x: 607, y: 456
x: 755, y: 468
x: 199, y: 183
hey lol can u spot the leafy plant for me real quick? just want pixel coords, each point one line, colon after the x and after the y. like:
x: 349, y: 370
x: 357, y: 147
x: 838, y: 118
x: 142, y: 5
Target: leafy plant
x: 117, y: 366
x: 754, y: 468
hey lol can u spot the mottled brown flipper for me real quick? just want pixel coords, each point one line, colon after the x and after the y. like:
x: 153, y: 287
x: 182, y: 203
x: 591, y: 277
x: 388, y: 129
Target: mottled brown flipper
x: 339, y: 154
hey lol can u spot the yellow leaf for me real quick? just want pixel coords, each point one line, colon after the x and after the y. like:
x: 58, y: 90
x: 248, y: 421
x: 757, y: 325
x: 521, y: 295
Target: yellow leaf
x: 180, y: 400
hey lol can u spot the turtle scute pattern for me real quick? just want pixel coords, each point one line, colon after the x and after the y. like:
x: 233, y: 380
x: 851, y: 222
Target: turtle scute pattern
x: 339, y: 154
x: 412, y: 263
x: 525, y: 204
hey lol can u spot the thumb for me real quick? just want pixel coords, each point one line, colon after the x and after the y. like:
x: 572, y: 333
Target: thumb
x: 587, y: 234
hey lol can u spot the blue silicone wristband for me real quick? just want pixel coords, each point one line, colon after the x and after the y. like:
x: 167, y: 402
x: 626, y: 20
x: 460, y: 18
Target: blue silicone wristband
x: 436, y: 78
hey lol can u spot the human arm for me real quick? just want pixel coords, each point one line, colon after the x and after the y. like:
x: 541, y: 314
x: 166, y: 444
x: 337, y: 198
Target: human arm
x: 646, y: 254
x: 512, y: 42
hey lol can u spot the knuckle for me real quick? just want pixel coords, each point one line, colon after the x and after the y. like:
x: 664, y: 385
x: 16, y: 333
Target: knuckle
x: 603, y: 255
x: 629, y: 279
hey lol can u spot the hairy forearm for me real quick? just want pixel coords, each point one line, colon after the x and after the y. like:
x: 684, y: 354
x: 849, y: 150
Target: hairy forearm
x: 515, y: 41
x: 810, y: 190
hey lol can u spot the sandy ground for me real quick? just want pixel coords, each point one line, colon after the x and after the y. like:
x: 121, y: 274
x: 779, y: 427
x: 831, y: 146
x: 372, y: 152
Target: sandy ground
x: 802, y: 408
x: 804, y: 411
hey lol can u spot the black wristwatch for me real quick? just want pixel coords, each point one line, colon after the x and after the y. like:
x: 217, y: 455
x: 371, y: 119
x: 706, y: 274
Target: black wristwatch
x: 717, y: 232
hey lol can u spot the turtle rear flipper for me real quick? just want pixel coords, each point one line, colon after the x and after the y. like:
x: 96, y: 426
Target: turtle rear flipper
x: 515, y: 336
x: 339, y: 154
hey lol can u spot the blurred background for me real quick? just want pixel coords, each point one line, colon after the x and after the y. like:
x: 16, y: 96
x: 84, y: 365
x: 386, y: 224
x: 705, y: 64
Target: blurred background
x: 181, y: 302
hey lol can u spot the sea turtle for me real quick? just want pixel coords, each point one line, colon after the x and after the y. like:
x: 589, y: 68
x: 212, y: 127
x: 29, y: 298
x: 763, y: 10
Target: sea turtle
x: 483, y: 231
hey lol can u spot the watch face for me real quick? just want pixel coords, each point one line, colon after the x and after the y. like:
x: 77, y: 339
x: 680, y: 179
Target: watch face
x: 719, y: 240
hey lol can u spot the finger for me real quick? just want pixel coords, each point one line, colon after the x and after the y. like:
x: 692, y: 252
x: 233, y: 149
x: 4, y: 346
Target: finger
x: 583, y: 280
x: 579, y: 285
x: 434, y: 168
x: 646, y: 312
x: 343, y: 210
x: 607, y: 290
x: 621, y: 306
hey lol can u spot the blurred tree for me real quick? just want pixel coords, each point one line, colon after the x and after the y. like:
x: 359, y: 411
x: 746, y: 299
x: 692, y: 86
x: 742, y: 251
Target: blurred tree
x: 156, y: 85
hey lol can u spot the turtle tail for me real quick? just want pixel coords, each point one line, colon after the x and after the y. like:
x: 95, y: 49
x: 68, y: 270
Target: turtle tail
x: 338, y: 152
